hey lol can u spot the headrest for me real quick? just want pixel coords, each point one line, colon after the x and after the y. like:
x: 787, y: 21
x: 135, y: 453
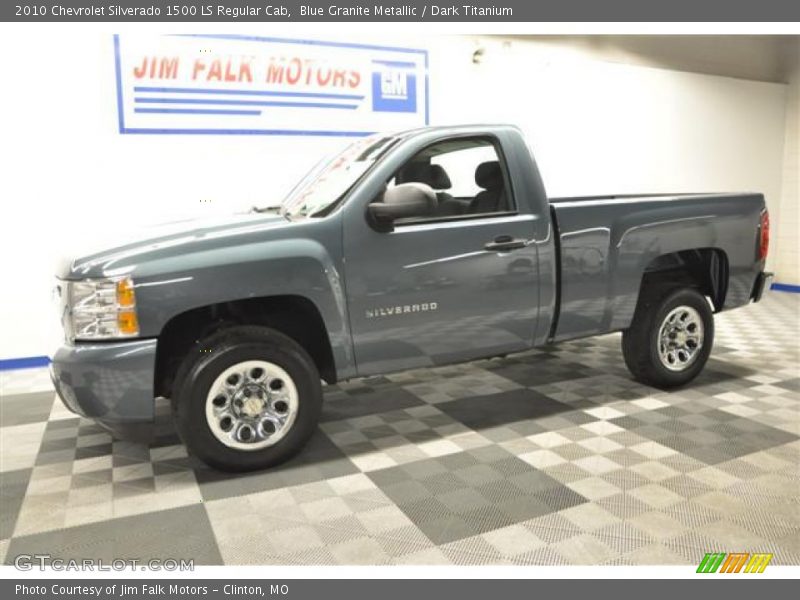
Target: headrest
x: 438, y: 178
x: 432, y: 175
x: 489, y: 175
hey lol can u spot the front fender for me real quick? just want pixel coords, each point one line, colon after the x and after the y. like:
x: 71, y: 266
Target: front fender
x: 170, y: 286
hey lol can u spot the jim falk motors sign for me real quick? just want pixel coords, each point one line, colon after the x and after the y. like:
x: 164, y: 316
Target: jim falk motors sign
x: 228, y: 84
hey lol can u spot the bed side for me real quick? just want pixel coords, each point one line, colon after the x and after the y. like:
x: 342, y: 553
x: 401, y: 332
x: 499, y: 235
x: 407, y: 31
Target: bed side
x: 610, y: 245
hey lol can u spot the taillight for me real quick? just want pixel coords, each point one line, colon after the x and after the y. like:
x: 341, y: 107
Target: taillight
x: 763, y: 240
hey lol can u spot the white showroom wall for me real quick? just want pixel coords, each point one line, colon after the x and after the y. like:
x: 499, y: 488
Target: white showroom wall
x: 70, y: 177
x: 787, y: 223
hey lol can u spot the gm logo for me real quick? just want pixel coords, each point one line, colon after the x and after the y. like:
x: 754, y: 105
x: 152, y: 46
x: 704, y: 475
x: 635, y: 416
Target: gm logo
x: 394, y: 86
x: 735, y: 562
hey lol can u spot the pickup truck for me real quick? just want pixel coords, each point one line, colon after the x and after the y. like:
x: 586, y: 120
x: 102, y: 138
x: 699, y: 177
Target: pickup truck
x: 421, y: 248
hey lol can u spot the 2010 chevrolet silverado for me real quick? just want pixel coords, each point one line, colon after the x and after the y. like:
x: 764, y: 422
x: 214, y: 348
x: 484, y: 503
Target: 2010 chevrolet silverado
x: 427, y: 247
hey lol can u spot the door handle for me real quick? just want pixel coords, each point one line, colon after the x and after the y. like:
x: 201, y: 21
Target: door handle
x: 505, y: 242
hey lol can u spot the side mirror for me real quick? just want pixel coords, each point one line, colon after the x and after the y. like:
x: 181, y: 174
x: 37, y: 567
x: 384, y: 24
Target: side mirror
x: 404, y: 201
x: 381, y: 217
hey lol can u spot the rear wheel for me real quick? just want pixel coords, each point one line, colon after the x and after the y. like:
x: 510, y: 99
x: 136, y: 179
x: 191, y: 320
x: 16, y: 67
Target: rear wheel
x: 670, y: 338
x: 247, y: 398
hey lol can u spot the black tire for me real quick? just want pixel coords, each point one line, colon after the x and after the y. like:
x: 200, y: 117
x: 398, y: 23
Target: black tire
x: 217, y: 353
x: 640, y: 342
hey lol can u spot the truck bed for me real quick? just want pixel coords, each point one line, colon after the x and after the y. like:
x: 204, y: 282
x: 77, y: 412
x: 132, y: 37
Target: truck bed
x: 606, y: 243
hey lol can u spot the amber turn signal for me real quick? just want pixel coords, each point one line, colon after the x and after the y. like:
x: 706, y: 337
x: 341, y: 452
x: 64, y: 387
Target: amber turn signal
x: 125, y: 295
x: 127, y: 322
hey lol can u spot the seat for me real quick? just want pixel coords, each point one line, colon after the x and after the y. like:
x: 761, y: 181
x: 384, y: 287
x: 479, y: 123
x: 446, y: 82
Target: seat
x: 489, y: 176
x: 439, y: 180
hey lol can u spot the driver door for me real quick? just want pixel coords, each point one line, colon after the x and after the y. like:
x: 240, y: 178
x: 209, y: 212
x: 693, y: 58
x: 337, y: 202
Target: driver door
x: 449, y: 286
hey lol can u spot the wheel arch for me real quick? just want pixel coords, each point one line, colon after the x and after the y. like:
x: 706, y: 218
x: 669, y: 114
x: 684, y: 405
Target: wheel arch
x: 705, y: 269
x: 295, y: 316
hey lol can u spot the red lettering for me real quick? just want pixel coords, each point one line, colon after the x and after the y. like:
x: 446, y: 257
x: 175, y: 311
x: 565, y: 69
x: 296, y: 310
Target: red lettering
x: 293, y: 71
x: 230, y: 75
x: 324, y: 76
x: 355, y: 79
x: 339, y: 77
x: 168, y: 68
x: 274, y: 72
x: 199, y: 66
x: 139, y: 71
x: 215, y: 71
x: 157, y: 67
x: 244, y: 71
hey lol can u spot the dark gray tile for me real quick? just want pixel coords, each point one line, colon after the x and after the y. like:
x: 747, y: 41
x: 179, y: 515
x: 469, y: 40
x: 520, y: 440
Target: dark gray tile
x: 12, y: 492
x: 91, y: 479
x: 472, y: 492
x: 176, y: 533
x: 319, y: 460
x: 61, y: 424
x: 554, y: 499
x: 529, y: 427
x: 54, y: 444
x: 540, y: 369
x: 56, y: 456
x: 718, y: 372
x: 483, y: 412
x: 650, y: 417
x: 103, y: 449
x: 711, y: 436
x: 22, y: 409
x: 366, y: 401
x: 578, y: 417
x: 423, y: 468
x: 625, y: 479
x: 703, y: 437
x: 88, y: 427
x: 789, y: 384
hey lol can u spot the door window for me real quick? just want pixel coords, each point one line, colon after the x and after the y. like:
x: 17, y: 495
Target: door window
x: 467, y: 175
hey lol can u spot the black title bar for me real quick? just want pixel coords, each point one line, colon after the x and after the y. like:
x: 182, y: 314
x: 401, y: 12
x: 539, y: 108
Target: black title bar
x: 402, y: 11
x: 733, y: 588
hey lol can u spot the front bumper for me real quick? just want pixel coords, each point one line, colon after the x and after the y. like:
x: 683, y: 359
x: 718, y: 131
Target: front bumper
x: 111, y: 383
x: 762, y: 285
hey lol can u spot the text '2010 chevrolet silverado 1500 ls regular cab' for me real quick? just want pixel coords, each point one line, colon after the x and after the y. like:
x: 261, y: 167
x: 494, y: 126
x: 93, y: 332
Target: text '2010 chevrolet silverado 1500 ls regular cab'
x: 423, y: 248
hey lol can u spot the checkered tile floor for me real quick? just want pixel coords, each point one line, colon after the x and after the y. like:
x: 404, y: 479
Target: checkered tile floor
x: 551, y: 457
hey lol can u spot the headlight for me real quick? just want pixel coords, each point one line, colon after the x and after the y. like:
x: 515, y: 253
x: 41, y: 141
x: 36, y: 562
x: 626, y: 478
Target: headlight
x: 102, y: 308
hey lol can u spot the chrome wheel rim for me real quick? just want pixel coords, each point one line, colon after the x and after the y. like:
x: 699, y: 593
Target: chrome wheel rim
x: 251, y: 405
x: 680, y: 338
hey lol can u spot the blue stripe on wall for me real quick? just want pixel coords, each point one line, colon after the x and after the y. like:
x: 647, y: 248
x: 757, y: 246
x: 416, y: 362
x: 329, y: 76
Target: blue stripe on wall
x: 28, y: 362
x: 178, y: 90
x: 786, y: 287
x: 196, y: 111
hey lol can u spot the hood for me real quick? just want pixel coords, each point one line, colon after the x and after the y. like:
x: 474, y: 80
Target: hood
x: 117, y: 253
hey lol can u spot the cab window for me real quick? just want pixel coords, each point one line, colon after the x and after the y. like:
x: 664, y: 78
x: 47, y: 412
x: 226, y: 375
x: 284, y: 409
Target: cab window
x: 467, y: 175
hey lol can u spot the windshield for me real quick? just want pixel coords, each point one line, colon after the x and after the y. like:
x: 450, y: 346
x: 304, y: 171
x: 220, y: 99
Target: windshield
x: 328, y: 181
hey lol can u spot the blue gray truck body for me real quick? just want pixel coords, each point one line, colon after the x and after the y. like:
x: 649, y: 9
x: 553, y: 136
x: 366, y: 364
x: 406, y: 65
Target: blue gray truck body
x: 428, y: 293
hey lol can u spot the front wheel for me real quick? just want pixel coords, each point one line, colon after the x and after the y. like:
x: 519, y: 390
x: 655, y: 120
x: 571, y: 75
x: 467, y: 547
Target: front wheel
x: 670, y: 338
x: 247, y: 398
